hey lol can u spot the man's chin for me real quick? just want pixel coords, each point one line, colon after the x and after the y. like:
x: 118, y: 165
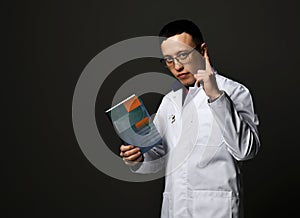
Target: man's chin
x: 187, y: 82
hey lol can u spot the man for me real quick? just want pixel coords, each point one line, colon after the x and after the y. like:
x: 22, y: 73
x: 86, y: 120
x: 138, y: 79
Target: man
x: 208, y: 126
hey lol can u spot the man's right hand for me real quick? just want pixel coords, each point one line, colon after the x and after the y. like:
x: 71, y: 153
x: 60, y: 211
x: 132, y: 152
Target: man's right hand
x: 131, y: 155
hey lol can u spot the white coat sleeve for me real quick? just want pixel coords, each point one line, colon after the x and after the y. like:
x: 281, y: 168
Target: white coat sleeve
x: 235, y: 116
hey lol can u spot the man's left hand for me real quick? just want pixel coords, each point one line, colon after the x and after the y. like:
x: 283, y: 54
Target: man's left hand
x: 207, y: 79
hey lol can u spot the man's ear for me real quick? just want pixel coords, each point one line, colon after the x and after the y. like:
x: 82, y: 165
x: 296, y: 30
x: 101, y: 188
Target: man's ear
x: 203, y: 48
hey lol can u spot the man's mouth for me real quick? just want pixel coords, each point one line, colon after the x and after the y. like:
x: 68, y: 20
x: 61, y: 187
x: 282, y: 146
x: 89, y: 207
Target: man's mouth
x: 182, y: 75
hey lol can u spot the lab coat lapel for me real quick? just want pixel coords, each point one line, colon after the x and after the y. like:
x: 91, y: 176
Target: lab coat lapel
x: 178, y: 94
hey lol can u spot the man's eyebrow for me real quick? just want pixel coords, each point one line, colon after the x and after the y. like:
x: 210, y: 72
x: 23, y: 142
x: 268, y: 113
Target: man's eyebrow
x: 178, y: 52
x: 182, y: 51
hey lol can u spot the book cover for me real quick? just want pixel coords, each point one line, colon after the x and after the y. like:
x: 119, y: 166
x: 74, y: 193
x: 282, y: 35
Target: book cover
x: 133, y: 124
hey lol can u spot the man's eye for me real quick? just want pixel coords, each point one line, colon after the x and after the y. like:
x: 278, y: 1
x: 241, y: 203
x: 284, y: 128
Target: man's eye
x: 169, y: 59
x: 183, y: 55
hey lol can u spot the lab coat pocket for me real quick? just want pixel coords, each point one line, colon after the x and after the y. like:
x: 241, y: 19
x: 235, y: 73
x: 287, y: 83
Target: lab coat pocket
x: 166, y: 209
x: 208, y: 204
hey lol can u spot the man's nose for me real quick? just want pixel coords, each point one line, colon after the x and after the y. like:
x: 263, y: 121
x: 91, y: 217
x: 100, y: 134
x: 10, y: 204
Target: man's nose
x: 177, y: 65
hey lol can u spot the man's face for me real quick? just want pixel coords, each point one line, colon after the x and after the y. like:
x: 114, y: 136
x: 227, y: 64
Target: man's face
x: 175, y: 46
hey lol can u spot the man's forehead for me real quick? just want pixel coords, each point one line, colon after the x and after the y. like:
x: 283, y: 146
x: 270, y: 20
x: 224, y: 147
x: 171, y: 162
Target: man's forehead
x: 177, y: 42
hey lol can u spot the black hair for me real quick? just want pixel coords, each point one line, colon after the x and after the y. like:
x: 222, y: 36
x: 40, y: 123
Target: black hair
x: 180, y: 26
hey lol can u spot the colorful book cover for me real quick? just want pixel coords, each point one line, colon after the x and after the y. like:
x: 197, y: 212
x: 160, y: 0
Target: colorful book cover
x: 133, y: 123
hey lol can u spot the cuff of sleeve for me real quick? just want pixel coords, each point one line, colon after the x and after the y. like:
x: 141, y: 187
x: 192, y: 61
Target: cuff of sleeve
x: 135, y: 167
x: 217, y: 100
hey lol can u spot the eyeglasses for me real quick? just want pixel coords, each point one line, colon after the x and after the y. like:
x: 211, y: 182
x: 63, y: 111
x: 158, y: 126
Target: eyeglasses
x: 182, y: 58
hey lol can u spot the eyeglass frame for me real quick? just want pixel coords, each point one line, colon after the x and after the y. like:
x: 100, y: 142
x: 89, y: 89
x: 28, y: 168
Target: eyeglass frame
x: 163, y: 60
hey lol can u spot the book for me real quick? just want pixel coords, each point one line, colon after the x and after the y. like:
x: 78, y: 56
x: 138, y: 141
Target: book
x: 133, y: 124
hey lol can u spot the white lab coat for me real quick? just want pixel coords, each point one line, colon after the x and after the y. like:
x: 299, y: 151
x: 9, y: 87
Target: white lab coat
x: 203, y: 143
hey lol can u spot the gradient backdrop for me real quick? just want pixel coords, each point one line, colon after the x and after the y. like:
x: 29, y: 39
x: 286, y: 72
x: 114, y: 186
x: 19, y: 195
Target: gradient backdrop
x: 47, y: 45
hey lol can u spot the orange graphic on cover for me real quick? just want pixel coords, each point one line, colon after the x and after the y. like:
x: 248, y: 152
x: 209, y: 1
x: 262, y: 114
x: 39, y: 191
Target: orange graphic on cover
x: 132, y: 104
x: 142, y: 122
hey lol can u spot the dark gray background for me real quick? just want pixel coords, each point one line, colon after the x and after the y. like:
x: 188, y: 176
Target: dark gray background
x: 48, y: 44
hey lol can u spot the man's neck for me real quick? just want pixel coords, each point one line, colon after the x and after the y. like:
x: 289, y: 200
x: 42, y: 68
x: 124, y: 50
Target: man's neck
x: 190, y: 85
